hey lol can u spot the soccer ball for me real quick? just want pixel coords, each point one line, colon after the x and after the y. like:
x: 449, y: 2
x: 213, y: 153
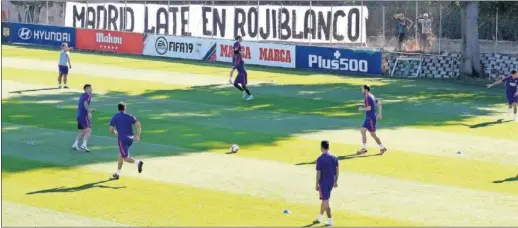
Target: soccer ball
x: 234, y: 148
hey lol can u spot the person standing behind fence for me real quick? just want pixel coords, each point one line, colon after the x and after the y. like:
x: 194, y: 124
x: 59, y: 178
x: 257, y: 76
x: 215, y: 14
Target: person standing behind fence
x: 426, y: 32
x: 403, y: 24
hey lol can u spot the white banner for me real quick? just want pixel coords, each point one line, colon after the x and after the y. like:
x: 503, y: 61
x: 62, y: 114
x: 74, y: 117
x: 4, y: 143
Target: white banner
x: 264, y: 54
x: 319, y: 24
x: 180, y: 47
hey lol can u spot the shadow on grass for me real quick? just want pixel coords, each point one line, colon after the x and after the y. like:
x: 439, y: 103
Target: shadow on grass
x: 311, y: 224
x: 489, y: 123
x: 343, y: 157
x: 510, y: 179
x: 34, y: 90
x: 83, y: 187
x: 213, y: 118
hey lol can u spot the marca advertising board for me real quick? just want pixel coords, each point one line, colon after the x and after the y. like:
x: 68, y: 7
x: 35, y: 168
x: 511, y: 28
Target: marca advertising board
x: 339, y: 60
x: 318, y: 24
x: 111, y: 41
x: 42, y: 34
x: 180, y: 47
x: 264, y: 54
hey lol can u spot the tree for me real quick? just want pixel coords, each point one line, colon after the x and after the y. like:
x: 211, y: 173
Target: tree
x: 470, y: 57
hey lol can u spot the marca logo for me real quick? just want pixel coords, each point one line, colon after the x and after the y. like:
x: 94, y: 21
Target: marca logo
x: 228, y: 51
x: 275, y: 55
x: 337, y: 63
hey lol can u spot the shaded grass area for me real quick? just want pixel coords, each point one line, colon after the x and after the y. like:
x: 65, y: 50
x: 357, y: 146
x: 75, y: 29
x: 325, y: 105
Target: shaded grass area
x: 134, y: 201
x: 178, y: 137
x: 409, y: 107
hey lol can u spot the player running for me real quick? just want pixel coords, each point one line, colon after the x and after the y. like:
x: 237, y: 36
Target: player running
x: 121, y: 125
x: 237, y: 48
x: 327, y: 179
x: 242, y: 77
x: 370, y: 120
x: 511, y: 91
x: 83, y: 117
x: 64, y: 59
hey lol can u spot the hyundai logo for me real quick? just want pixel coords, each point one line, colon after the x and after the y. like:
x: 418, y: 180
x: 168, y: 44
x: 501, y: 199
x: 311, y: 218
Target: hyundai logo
x: 25, y: 34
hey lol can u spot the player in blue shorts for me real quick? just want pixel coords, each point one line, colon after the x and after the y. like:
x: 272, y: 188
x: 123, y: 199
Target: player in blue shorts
x: 242, y: 77
x: 370, y: 120
x: 511, y: 91
x: 64, y: 64
x: 83, y: 117
x: 121, y: 125
x: 327, y: 179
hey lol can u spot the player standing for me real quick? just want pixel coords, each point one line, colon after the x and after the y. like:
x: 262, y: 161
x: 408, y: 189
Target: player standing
x: 121, y: 125
x: 83, y: 117
x: 511, y: 91
x: 370, y: 120
x: 64, y: 59
x: 242, y: 77
x: 327, y: 179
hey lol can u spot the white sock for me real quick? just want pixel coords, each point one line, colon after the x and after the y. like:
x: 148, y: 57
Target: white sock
x: 330, y: 220
x: 118, y: 172
x: 364, y: 145
x: 381, y: 146
x: 136, y: 162
x: 76, y: 142
x: 319, y: 218
x: 85, y: 142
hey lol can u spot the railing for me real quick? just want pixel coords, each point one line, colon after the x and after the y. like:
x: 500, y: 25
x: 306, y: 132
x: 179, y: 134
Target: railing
x: 363, y: 24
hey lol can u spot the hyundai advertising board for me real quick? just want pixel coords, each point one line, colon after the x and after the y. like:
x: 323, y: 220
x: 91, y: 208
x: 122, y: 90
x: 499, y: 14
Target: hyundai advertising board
x: 42, y: 34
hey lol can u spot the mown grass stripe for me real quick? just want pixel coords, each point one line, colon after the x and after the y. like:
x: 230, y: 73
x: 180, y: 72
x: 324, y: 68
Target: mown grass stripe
x: 140, y: 202
x: 296, y: 151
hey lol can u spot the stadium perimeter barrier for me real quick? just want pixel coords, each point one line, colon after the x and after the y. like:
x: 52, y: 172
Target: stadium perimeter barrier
x: 329, y: 59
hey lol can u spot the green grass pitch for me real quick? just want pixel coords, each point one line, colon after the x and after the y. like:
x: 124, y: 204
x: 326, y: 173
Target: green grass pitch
x: 191, y: 116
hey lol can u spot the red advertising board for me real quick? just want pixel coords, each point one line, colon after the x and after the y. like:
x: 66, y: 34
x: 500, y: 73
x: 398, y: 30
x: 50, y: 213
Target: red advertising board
x: 111, y: 41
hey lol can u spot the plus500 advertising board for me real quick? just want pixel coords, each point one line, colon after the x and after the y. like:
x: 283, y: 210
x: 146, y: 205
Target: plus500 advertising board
x: 339, y: 60
x: 42, y: 34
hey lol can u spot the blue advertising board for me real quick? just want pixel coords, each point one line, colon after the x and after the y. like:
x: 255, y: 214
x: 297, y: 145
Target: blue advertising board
x: 6, y: 32
x: 42, y: 34
x: 338, y: 60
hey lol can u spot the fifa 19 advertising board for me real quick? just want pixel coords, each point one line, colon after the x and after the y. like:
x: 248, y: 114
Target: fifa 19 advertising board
x: 346, y: 61
x: 302, y: 24
x: 179, y: 47
x: 264, y: 54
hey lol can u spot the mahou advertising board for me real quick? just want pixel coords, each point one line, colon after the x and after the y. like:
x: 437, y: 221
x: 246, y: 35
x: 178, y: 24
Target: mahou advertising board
x: 264, y: 54
x: 110, y: 41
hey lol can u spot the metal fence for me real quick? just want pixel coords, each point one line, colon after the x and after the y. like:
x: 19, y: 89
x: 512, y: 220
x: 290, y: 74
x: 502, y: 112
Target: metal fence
x: 432, y: 26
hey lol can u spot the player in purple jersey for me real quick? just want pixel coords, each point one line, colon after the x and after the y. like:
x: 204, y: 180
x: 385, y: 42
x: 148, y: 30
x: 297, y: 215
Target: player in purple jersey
x: 327, y: 179
x: 237, y: 46
x: 370, y: 119
x: 121, y: 125
x: 242, y: 77
x: 83, y: 117
x: 511, y: 90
